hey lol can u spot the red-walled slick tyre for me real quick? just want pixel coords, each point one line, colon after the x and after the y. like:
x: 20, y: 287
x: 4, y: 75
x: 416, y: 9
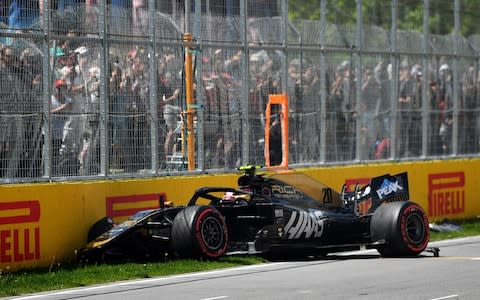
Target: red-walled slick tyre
x: 402, y: 226
x: 199, y: 231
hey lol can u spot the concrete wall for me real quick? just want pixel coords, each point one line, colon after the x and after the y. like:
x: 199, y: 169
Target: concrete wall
x: 46, y: 223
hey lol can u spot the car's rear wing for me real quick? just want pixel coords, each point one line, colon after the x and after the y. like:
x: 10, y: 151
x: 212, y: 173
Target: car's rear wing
x: 385, y: 188
x: 390, y: 187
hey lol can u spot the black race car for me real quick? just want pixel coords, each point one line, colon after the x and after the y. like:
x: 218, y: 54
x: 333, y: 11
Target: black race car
x: 284, y: 212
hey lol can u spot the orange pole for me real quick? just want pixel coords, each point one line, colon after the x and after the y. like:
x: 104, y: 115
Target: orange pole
x: 267, y: 135
x: 282, y: 100
x: 187, y: 39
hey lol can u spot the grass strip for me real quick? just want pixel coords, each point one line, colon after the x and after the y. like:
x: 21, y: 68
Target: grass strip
x: 470, y: 227
x: 71, y: 276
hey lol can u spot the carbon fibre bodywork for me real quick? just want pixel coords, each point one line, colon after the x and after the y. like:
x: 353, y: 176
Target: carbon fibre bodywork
x: 282, y: 212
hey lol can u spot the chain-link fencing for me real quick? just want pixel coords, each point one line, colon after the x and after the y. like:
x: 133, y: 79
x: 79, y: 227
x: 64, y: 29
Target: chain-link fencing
x: 93, y: 89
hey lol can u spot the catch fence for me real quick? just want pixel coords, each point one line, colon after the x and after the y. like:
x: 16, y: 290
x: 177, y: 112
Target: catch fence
x: 96, y: 90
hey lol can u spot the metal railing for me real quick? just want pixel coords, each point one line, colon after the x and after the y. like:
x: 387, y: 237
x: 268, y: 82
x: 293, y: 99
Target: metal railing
x: 98, y: 91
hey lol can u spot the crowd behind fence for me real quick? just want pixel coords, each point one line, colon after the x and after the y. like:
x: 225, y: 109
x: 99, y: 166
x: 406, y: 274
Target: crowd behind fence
x: 95, y: 90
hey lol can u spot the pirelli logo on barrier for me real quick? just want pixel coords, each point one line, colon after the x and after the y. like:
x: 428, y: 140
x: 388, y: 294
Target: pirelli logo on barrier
x: 446, y: 194
x: 19, y: 231
x: 125, y: 206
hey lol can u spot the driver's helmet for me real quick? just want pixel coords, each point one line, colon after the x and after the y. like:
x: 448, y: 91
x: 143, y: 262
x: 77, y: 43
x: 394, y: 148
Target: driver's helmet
x: 231, y: 197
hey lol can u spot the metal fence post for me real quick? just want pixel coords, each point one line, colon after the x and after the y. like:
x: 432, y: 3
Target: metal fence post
x: 394, y: 82
x: 153, y: 91
x: 323, y: 83
x: 245, y: 83
x: 200, y: 130
x: 103, y: 111
x: 456, y: 93
x: 284, y: 36
x: 46, y: 85
x: 426, y: 80
x: 359, y: 150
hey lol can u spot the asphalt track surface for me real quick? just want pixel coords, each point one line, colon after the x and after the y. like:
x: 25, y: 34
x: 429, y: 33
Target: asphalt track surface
x: 353, y: 275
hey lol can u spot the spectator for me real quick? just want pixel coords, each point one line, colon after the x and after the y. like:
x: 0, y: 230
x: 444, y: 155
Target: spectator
x: 344, y: 96
x: 468, y: 132
x: 68, y: 163
x: 405, y: 105
x: 90, y: 153
x: 383, y: 111
x: 275, y: 141
x: 59, y: 105
x: 369, y: 101
x: 118, y: 111
x: 308, y: 107
x: 334, y: 100
x: 139, y: 136
x: 435, y: 121
x: 171, y: 113
x: 227, y: 152
x: 31, y: 80
x: 11, y: 103
x: 445, y: 98
x: 415, y: 138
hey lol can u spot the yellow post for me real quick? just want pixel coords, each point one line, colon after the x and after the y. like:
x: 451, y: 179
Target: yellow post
x: 187, y: 39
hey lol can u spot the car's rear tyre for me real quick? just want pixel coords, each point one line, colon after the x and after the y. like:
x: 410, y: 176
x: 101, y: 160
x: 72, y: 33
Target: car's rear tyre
x: 199, y: 231
x: 401, y: 228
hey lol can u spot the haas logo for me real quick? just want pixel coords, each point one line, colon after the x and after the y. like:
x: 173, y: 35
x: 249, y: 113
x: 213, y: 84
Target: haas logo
x: 302, y: 222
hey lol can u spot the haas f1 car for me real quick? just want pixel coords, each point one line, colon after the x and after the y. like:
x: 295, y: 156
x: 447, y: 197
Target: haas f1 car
x: 281, y: 213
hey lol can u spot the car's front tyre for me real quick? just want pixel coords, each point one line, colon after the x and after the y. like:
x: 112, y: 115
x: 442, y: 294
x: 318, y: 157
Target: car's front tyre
x: 199, y: 231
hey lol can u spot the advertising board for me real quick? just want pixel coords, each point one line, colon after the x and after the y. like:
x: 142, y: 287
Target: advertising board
x: 46, y: 223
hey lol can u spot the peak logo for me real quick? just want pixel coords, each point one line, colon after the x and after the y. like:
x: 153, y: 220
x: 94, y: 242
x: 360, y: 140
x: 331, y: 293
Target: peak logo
x: 388, y: 187
x: 20, y: 241
x: 446, y: 194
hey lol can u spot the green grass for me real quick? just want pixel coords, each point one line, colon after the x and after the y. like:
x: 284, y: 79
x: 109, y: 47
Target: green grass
x: 470, y: 227
x: 70, y: 276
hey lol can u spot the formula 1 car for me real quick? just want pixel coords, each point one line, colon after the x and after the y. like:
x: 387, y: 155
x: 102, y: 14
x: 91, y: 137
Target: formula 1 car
x: 284, y: 212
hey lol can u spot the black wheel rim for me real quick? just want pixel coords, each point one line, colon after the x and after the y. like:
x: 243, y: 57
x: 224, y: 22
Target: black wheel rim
x: 212, y: 233
x: 415, y: 228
